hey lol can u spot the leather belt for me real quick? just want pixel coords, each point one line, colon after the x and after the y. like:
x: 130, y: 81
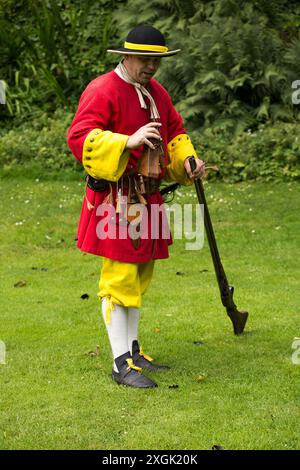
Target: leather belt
x: 147, y: 185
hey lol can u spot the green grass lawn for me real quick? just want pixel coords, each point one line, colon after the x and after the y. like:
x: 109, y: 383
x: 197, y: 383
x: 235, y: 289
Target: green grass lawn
x: 55, y: 395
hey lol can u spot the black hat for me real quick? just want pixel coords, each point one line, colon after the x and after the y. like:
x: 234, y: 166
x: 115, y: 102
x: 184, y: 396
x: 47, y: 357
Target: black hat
x: 145, y: 40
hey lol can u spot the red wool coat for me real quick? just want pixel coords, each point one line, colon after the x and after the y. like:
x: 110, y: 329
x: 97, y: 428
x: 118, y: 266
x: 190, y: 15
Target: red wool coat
x: 109, y: 103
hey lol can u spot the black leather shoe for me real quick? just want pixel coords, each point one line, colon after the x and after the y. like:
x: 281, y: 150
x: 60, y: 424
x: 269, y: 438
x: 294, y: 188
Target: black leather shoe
x: 145, y: 362
x: 129, y: 374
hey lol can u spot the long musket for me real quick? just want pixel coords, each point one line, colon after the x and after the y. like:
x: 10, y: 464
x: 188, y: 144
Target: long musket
x: 238, y: 318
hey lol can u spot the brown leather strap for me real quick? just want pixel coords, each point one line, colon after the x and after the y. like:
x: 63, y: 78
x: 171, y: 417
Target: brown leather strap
x: 146, y: 185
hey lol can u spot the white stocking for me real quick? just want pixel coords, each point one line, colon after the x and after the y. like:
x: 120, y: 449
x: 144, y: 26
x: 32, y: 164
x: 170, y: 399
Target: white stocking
x: 117, y: 329
x: 133, y: 323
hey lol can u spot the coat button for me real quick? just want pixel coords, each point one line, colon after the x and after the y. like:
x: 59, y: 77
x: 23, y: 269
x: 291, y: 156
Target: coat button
x: 92, y: 140
x: 89, y: 149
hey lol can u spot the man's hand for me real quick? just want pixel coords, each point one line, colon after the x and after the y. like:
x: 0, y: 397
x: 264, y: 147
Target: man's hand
x: 142, y: 135
x: 199, y: 170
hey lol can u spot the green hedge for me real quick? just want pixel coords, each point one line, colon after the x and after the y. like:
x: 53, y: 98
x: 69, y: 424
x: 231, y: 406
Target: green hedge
x: 272, y: 152
x: 39, y: 145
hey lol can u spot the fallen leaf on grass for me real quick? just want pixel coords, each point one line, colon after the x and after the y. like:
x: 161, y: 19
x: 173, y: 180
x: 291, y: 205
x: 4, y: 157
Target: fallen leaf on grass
x: 20, y: 284
x: 200, y: 378
x: 85, y: 296
x: 156, y: 330
x: 94, y: 353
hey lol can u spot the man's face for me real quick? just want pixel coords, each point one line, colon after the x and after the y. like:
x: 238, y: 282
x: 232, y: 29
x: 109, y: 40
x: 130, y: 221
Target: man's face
x: 141, y: 68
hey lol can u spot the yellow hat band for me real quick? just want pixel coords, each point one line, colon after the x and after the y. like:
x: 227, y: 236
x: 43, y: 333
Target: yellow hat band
x: 145, y: 47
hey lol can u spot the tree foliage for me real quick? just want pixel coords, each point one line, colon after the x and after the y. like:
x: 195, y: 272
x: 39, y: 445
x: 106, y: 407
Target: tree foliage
x: 50, y: 50
x: 237, y: 62
x: 235, y: 72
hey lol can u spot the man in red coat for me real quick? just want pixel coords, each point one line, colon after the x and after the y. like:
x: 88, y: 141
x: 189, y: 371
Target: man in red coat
x: 129, y: 137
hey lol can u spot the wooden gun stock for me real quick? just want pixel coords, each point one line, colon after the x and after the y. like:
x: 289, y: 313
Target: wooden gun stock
x: 238, y: 319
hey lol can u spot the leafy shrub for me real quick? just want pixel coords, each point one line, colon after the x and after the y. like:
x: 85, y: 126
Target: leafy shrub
x: 237, y: 62
x: 50, y: 49
x: 272, y: 152
x: 40, y: 144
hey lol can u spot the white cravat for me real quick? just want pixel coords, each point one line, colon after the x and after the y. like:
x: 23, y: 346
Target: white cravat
x: 121, y: 71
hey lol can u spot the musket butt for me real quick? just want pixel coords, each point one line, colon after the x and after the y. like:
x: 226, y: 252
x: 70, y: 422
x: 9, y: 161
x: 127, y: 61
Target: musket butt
x: 239, y: 320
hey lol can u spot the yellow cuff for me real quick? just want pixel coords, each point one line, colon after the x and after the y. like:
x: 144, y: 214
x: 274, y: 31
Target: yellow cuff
x: 104, y: 154
x: 179, y: 149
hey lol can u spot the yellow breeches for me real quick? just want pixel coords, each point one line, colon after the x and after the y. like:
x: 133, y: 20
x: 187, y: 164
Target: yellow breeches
x: 124, y: 283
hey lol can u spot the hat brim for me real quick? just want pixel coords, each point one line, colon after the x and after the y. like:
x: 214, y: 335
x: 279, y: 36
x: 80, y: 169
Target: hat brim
x: 124, y: 51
